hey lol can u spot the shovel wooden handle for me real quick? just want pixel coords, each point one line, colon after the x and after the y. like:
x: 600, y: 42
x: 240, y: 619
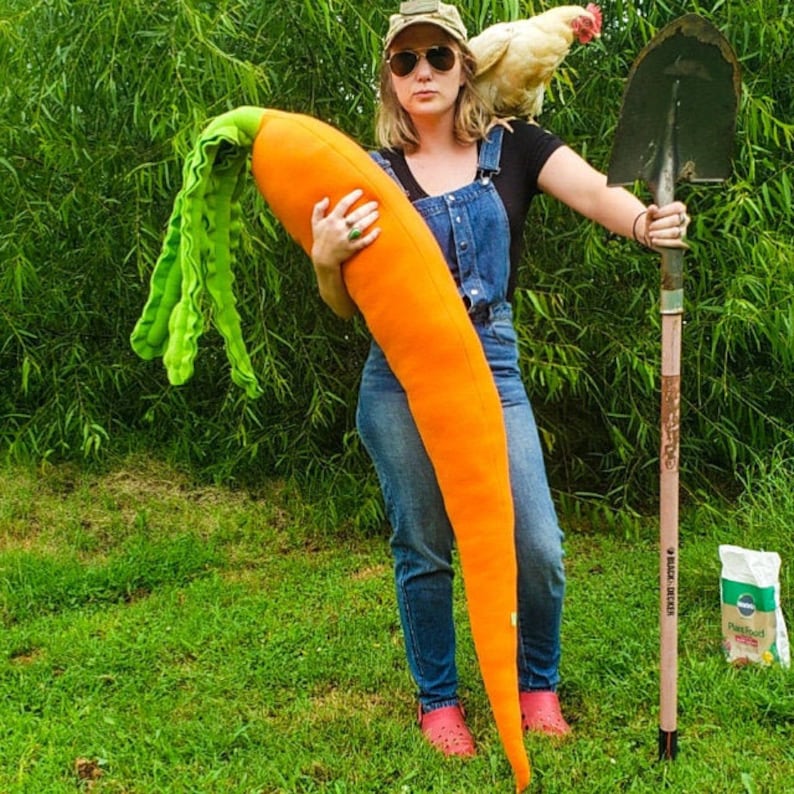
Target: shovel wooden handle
x: 672, y: 310
x: 668, y: 531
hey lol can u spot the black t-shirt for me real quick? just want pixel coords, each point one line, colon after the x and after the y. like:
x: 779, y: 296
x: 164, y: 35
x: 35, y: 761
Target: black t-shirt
x: 524, y: 153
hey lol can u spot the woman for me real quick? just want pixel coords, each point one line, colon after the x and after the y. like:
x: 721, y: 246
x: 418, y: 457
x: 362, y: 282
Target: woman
x: 472, y: 178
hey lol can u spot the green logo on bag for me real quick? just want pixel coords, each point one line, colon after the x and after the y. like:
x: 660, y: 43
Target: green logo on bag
x: 746, y: 605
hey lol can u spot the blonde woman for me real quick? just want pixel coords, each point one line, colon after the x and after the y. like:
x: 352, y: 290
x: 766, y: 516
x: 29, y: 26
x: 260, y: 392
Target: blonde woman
x: 472, y: 177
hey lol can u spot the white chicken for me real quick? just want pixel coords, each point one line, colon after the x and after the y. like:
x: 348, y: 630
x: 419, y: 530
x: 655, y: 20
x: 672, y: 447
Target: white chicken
x: 516, y: 60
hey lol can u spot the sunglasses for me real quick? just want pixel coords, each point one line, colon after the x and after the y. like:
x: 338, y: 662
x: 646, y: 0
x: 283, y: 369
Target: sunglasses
x: 402, y: 63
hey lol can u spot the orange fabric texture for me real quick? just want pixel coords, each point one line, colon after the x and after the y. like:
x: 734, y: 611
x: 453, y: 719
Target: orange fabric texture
x: 407, y: 296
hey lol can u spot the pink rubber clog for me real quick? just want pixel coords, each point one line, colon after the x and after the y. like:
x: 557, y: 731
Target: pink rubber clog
x: 540, y: 713
x: 446, y: 730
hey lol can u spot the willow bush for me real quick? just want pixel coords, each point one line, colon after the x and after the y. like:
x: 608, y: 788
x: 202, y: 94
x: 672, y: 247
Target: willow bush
x: 599, y: 320
x: 101, y: 101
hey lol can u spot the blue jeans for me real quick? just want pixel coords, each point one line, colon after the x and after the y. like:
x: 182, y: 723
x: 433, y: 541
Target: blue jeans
x: 422, y: 538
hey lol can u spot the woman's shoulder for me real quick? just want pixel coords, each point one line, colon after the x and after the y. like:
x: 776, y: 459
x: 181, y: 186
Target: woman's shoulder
x: 525, y: 149
x: 388, y: 152
x: 523, y: 131
x: 392, y: 157
x: 527, y: 142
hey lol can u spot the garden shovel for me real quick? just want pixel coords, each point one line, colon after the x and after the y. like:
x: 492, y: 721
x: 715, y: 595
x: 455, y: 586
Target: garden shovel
x: 676, y: 123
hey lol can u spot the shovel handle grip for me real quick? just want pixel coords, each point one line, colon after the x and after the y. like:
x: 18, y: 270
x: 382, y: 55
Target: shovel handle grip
x: 672, y: 300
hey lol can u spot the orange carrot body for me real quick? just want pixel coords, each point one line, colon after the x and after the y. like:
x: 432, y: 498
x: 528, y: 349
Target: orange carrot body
x: 409, y: 301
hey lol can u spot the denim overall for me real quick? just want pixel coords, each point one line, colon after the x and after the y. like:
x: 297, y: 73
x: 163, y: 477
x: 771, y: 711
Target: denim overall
x: 472, y: 229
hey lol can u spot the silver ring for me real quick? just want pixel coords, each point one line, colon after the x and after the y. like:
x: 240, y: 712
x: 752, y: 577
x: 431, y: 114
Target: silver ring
x: 354, y: 234
x: 681, y: 218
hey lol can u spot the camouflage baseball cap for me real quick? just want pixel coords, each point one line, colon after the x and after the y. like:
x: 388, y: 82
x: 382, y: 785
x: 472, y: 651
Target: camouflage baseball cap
x: 431, y: 12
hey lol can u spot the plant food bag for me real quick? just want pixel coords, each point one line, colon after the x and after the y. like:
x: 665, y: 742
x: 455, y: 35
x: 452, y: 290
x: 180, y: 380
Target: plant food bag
x: 753, y: 628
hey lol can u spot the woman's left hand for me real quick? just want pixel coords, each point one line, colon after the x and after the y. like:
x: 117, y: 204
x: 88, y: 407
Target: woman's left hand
x: 665, y: 227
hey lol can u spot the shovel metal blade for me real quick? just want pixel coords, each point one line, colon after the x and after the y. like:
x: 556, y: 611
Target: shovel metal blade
x: 679, y: 107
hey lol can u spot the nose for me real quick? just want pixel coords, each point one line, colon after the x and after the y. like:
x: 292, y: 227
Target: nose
x: 423, y: 68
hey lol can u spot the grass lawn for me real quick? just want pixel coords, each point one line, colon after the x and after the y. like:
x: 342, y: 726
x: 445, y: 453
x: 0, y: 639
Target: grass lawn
x: 158, y: 636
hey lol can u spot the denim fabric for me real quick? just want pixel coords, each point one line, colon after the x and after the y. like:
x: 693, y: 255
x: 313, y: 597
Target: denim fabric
x: 472, y: 229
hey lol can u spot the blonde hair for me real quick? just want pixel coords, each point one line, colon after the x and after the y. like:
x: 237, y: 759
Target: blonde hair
x: 473, y: 118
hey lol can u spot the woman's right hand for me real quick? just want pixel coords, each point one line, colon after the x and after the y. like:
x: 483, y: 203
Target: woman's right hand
x: 343, y: 231
x: 338, y: 235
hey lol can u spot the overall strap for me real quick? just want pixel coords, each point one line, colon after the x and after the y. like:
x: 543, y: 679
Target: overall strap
x: 490, y: 154
x: 387, y: 167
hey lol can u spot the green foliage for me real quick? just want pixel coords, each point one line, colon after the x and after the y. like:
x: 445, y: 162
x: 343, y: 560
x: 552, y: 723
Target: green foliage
x: 101, y: 101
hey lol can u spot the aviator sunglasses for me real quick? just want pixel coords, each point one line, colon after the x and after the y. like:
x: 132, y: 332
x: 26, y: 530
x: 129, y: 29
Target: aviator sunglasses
x: 402, y: 63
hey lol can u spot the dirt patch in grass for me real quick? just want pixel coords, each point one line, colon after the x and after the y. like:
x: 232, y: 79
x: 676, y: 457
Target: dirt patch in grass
x: 369, y: 572
x: 333, y: 703
x: 26, y: 656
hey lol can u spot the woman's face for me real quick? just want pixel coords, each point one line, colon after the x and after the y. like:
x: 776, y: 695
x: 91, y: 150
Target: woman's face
x: 426, y: 91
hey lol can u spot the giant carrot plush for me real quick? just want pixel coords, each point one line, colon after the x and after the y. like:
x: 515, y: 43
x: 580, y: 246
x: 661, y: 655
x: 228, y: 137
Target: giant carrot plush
x: 409, y: 301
